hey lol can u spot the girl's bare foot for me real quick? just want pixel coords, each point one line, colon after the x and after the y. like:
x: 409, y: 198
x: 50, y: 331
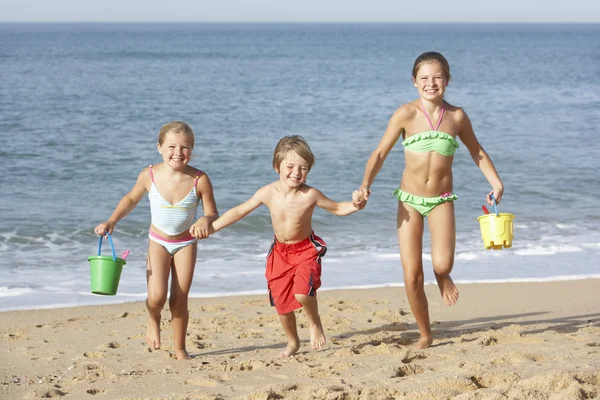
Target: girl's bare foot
x: 291, y: 349
x: 447, y: 289
x: 182, y: 355
x: 153, y: 333
x: 424, y: 342
x: 317, y: 335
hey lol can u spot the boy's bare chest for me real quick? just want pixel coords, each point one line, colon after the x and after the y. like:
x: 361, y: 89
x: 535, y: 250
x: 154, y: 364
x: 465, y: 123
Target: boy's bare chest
x: 289, y: 209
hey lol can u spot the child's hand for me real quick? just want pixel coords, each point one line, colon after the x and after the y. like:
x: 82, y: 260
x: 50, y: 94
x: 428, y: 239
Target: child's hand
x: 104, y: 227
x: 201, y: 228
x: 497, y: 192
x: 358, y: 200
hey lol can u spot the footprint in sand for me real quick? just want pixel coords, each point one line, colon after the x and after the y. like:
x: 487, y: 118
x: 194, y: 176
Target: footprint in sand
x: 489, y: 380
x: 220, y: 377
x: 45, y: 394
x: 94, y: 354
x: 320, y: 373
x: 200, y: 346
x: 212, y: 308
x: 94, y: 391
x: 410, y: 356
x: 336, y: 392
x: 406, y: 370
x: 274, y: 392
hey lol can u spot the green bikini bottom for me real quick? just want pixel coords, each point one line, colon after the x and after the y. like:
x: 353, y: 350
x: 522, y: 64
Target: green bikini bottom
x: 423, y: 205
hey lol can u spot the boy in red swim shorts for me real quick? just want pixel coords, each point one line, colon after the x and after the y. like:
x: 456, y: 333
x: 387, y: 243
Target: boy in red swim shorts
x: 293, y: 268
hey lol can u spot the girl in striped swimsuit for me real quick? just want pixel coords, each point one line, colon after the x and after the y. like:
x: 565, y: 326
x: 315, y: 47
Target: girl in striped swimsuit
x: 175, y: 190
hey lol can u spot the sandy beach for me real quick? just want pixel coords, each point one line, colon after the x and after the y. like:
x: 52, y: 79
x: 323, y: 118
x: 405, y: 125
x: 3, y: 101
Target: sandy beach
x: 502, y: 340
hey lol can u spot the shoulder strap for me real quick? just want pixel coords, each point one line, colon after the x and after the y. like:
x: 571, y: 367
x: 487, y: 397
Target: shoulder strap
x: 151, y: 174
x: 429, y: 119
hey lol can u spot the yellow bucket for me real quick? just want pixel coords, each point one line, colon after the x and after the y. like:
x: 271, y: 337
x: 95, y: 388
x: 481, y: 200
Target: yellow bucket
x: 496, y: 230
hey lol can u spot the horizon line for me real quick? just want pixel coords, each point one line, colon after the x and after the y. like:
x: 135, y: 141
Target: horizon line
x: 306, y: 22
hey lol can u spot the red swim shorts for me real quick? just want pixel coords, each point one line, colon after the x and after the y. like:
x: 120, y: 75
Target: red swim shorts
x: 294, y: 269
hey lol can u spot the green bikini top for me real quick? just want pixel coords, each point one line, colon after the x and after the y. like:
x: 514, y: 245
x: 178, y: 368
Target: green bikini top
x: 432, y: 140
x: 437, y: 141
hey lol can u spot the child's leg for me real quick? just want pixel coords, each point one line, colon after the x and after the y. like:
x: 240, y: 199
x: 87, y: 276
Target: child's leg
x: 289, y: 326
x: 311, y: 307
x: 184, y: 261
x: 442, y: 227
x: 158, y: 266
x: 410, y: 238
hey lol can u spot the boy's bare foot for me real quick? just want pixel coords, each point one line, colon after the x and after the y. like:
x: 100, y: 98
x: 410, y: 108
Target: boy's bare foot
x: 182, y: 355
x: 291, y: 349
x: 424, y: 342
x: 153, y: 333
x: 317, y: 335
x: 447, y: 289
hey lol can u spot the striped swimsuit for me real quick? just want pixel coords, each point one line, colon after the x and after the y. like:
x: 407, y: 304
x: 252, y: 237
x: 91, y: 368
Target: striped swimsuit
x: 172, y: 219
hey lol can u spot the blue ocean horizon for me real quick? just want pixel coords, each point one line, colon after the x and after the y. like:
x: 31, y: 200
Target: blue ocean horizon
x: 82, y: 104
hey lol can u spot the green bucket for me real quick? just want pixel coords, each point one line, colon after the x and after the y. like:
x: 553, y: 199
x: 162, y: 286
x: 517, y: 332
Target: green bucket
x: 105, y: 271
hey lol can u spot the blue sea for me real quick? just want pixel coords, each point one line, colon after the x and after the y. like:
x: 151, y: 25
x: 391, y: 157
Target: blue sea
x: 81, y: 106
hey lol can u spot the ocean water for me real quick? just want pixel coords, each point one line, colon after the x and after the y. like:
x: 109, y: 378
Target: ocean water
x: 81, y: 106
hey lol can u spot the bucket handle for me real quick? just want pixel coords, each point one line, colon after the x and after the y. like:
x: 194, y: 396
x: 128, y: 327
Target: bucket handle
x: 494, y: 207
x: 112, y: 246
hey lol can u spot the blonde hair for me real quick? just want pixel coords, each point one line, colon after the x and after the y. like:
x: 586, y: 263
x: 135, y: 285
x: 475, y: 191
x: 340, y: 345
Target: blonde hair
x: 177, y: 127
x: 294, y: 143
x: 430, y: 57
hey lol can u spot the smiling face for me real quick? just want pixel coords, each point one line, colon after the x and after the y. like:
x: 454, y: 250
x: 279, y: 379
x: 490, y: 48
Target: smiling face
x: 431, y: 80
x: 293, y: 170
x: 176, y: 150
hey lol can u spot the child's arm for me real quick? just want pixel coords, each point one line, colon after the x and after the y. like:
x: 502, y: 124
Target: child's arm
x: 236, y: 213
x: 201, y: 227
x: 480, y: 156
x: 334, y: 207
x: 390, y: 137
x: 127, y: 204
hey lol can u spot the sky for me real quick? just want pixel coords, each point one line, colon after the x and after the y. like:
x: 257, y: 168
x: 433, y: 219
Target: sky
x: 299, y: 11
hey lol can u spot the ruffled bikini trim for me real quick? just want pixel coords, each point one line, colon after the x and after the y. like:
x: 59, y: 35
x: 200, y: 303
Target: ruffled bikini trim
x: 430, y: 135
x: 424, y: 201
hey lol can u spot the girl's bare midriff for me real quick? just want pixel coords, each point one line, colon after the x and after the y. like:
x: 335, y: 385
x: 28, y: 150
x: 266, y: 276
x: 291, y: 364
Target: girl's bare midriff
x: 426, y: 174
x: 183, y: 235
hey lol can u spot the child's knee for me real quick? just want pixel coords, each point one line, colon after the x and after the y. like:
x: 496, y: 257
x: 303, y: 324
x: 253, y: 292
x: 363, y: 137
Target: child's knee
x: 414, y: 278
x: 156, y: 300
x: 443, y: 267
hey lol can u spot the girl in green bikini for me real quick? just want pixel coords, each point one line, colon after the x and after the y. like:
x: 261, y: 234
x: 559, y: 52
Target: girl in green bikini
x: 429, y: 127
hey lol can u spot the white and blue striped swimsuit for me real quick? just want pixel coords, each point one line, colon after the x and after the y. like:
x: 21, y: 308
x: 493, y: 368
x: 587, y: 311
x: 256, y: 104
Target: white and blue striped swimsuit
x: 173, y: 219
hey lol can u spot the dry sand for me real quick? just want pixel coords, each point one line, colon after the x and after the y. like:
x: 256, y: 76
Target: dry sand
x: 501, y: 341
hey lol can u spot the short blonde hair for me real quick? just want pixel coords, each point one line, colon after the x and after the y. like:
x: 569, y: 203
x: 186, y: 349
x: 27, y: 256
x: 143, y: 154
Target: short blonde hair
x: 177, y: 127
x: 294, y: 143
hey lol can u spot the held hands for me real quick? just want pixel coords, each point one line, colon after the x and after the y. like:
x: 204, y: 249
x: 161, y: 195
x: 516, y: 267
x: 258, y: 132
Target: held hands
x: 497, y: 192
x: 365, y: 192
x: 201, y: 228
x: 104, y: 227
x: 358, y: 200
x: 360, y: 197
